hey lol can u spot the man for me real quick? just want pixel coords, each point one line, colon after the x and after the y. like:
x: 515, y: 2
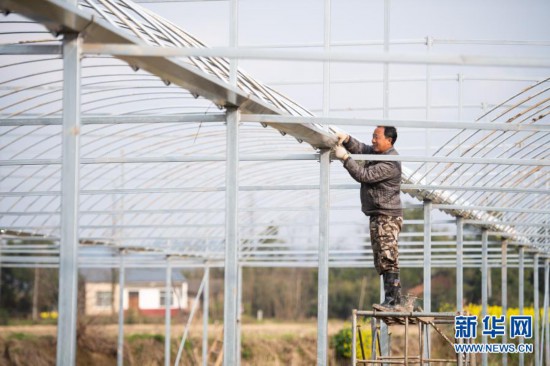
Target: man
x: 380, y: 200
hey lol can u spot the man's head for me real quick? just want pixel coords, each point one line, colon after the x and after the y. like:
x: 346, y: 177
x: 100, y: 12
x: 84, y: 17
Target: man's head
x: 383, y: 138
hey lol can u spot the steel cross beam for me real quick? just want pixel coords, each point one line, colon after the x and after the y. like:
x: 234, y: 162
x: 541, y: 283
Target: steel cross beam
x: 268, y: 157
x: 326, y: 121
x: 286, y: 120
x: 337, y: 56
x: 115, y: 120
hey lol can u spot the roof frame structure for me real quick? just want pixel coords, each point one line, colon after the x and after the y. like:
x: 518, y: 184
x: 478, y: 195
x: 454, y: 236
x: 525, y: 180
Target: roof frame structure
x: 61, y: 17
x: 519, y: 216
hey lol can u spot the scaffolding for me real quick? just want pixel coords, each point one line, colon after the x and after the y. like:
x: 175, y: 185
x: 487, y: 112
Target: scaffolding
x: 381, y: 344
x: 135, y: 184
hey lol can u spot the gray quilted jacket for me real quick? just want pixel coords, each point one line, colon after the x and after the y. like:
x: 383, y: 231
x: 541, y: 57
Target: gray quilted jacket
x: 380, y: 180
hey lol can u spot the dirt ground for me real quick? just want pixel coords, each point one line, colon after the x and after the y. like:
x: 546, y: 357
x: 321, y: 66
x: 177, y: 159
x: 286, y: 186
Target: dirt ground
x: 265, y: 343
x: 268, y: 344
x: 264, y: 328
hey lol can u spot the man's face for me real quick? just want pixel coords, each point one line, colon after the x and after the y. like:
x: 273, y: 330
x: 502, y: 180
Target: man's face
x: 380, y: 142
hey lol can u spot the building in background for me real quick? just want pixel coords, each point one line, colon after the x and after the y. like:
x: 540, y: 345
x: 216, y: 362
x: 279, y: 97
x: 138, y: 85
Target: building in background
x: 144, y: 292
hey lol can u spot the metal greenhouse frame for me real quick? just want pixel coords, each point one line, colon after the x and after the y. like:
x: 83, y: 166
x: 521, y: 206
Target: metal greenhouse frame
x: 134, y: 183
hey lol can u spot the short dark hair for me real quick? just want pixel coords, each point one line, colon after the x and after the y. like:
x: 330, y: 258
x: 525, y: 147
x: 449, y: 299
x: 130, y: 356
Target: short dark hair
x: 390, y: 132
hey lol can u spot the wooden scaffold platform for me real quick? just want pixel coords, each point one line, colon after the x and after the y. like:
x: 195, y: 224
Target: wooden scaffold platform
x: 380, y: 342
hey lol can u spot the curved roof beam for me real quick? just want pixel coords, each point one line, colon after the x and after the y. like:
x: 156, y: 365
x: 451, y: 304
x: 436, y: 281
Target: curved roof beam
x: 61, y: 17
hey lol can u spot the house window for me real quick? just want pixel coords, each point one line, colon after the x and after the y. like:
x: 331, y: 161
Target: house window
x: 163, y: 298
x: 104, y: 298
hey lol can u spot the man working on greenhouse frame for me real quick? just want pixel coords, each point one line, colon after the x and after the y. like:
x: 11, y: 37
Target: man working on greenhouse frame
x: 380, y: 200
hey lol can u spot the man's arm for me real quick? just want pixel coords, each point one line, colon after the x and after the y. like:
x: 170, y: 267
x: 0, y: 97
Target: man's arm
x: 371, y: 174
x: 355, y: 146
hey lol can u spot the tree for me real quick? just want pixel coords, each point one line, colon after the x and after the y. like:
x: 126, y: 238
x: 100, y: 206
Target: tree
x: 28, y: 291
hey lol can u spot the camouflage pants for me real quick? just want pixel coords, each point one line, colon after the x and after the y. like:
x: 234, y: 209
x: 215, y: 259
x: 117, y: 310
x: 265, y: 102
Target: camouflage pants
x: 384, y: 232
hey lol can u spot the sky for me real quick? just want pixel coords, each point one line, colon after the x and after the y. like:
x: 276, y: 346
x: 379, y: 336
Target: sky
x: 265, y: 23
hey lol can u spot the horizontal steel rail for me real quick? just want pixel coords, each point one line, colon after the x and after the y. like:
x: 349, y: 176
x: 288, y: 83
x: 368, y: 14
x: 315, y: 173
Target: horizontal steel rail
x: 30, y: 49
x: 264, y: 208
x: 410, y: 314
x: 122, y: 50
x: 460, y: 125
x: 251, y: 118
x: 404, y: 187
x: 218, y: 262
x: 293, y: 157
x: 116, y: 120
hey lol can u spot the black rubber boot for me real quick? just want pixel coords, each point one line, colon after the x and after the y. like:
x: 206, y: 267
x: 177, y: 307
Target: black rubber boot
x: 392, y: 289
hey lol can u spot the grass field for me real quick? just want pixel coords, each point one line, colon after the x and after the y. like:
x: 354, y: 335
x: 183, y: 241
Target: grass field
x: 263, y: 343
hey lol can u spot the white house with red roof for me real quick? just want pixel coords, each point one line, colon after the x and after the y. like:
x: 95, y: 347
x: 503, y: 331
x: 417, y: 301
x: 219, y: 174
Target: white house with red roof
x: 144, y: 291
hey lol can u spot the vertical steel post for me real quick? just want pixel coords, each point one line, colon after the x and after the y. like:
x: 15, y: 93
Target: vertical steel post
x: 427, y: 269
x: 460, y: 109
x: 546, y: 301
x: 205, y: 307
x: 385, y: 114
x: 2, y: 241
x: 233, y: 39
x: 354, y: 337
x: 536, y: 305
x: 504, y: 292
x: 121, y: 284
x: 231, y: 238
x: 421, y: 352
x: 459, y: 263
x: 460, y: 89
x: 324, y: 208
x: 373, y: 327
x: 406, y: 346
x: 521, y: 276
x: 386, y: 86
x: 326, y: 64
x: 384, y: 331
x: 68, y: 253
x: 239, y: 314
x: 381, y: 289
x: 521, y: 293
x: 484, y: 292
x: 167, y: 311
x: 429, y: 43
x: 322, y: 289
x: 427, y: 256
x: 35, y: 290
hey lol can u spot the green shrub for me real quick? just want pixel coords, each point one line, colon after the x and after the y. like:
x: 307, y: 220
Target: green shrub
x: 341, y: 342
x: 447, y: 307
x: 22, y: 336
x: 4, y: 317
x: 246, y: 352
